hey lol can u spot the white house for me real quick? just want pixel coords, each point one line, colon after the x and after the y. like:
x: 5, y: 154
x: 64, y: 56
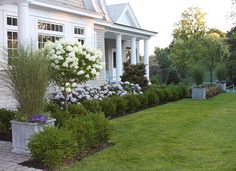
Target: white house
x: 112, y: 29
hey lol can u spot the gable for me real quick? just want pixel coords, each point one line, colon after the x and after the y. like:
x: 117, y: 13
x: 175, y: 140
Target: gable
x: 123, y: 14
x: 126, y: 19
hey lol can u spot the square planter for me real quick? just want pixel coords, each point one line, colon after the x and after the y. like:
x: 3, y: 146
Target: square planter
x: 198, y: 93
x: 21, y: 132
x: 223, y: 86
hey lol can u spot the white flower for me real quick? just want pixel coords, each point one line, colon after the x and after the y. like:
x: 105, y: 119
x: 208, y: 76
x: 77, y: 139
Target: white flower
x: 56, y: 61
x: 72, y: 54
x: 65, y: 64
x: 72, y: 80
x: 57, y: 67
x: 73, y: 84
x: 89, y: 67
x: 53, y: 65
x: 87, y: 75
x: 80, y: 72
x: 67, y: 84
x: 62, y: 88
x: 93, y: 71
x: 60, y: 57
x: 69, y: 48
x: 68, y: 89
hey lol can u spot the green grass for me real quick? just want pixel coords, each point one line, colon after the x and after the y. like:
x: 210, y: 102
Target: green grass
x: 185, y: 135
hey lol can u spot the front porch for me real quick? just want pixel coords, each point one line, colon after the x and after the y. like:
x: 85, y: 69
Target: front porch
x: 120, y: 48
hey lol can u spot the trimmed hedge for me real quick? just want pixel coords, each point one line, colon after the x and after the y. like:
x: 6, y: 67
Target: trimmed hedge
x: 53, y: 146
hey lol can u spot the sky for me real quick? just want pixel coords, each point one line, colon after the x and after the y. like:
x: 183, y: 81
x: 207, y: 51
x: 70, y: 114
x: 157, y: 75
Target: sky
x: 161, y: 15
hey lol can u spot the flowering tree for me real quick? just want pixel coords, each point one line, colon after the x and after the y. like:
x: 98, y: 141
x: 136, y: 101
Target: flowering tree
x: 72, y: 64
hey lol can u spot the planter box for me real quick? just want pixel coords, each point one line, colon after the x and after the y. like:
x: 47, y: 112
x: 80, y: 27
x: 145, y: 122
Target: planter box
x: 198, y: 93
x: 223, y: 86
x: 21, y: 132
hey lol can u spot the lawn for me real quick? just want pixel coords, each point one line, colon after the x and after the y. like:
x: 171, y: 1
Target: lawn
x: 184, y: 135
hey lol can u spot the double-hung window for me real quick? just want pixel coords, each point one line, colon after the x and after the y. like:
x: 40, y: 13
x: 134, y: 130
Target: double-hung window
x: 12, y: 36
x: 49, y: 31
x: 79, y: 34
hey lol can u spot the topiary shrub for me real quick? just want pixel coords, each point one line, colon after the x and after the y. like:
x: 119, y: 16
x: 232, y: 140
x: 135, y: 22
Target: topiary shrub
x: 108, y: 107
x: 132, y: 103
x: 92, y: 105
x: 77, y: 110
x: 53, y: 147
x: 121, y: 105
x: 90, y: 130
x: 135, y: 74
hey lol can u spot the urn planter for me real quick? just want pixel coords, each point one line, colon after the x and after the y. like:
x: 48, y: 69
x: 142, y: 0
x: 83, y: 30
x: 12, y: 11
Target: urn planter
x: 198, y: 93
x: 22, y: 131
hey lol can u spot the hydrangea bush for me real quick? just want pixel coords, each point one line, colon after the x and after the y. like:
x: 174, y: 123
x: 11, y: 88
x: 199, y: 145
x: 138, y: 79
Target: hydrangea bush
x: 72, y: 64
x: 98, y: 93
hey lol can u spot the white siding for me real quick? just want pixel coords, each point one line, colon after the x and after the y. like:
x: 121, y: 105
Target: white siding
x: 69, y: 3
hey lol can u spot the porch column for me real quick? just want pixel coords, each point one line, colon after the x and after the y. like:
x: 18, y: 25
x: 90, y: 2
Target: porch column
x: 133, y: 50
x: 118, y: 57
x: 23, y: 22
x: 137, y: 56
x: 146, y: 57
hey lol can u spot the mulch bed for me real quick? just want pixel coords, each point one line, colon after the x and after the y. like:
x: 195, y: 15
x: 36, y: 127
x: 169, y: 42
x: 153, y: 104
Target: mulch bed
x: 82, y: 155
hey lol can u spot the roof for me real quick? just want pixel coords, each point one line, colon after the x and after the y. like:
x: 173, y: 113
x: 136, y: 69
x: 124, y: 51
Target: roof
x: 123, y: 14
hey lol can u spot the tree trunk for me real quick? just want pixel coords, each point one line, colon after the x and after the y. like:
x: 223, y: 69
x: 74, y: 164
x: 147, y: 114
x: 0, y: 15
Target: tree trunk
x: 65, y: 101
x: 211, y: 76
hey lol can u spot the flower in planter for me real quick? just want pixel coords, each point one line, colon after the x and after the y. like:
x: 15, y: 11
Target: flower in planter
x: 38, y: 118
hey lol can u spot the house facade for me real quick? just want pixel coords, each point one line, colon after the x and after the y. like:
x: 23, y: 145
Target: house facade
x: 112, y: 29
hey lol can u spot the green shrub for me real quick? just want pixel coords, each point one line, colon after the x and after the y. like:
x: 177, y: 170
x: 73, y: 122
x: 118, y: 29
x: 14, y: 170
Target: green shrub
x: 132, y: 103
x: 152, y: 97
x: 5, y: 117
x: 121, y: 105
x: 108, y: 107
x: 135, y: 74
x: 161, y: 95
x: 52, y: 107
x: 53, y: 146
x: 143, y: 101
x: 92, y: 106
x: 77, y: 110
x: 90, y: 130
x: 60, y: 117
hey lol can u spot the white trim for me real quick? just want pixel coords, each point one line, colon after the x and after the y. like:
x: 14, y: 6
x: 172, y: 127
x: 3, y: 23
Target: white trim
x: 129, y: 30
x: 69, y: 10
x: 105, y: 10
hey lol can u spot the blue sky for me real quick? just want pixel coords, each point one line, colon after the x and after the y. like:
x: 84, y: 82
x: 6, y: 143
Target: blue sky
x: 160, y: 15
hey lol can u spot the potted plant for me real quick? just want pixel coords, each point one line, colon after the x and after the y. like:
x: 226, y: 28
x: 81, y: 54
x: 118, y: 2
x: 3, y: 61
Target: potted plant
x: 28, y: 76
x: 198, y: 91
x: 221, y: 76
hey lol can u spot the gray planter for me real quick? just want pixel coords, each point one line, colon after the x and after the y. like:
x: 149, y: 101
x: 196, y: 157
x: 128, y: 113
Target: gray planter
x: 198, y: 93
x: 223, y: 86
x: 21, y: 132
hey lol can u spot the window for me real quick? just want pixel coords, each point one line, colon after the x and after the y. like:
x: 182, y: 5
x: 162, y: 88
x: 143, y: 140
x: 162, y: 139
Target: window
x: 50, y: 26
x: 79, y: 33
x: 43, y: 38
x: 12, y: 43
x: 11, y: 21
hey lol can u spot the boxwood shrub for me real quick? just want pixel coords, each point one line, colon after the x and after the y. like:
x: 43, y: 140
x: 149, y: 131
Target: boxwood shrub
x: 108, y: 107
x: 90, y: 130
x: 92, y: 105
x: 133, y: 103
x: 53, y: 147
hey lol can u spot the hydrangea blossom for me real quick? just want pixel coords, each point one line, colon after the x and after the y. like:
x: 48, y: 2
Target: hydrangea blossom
x: 98, y: 93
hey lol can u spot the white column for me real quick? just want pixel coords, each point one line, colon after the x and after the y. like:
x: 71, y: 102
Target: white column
x: 146, y: 57
x: 23, y: 22
x: 118, y: 57
x: 137, y: 56
x: 133, y: 50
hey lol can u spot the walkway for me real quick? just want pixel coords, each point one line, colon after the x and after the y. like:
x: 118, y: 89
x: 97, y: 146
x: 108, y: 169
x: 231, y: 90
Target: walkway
x: 10, y: 161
